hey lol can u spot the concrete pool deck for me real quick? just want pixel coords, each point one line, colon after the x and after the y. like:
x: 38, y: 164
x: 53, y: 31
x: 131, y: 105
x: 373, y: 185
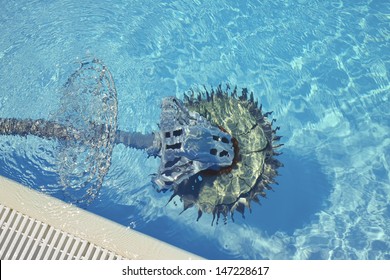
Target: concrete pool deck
x: 37, y: 226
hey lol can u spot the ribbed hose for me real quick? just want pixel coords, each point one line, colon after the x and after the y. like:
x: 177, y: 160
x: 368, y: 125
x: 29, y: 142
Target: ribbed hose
x: 41, y: 128
x: 52, y: 130
x: 134, y: 139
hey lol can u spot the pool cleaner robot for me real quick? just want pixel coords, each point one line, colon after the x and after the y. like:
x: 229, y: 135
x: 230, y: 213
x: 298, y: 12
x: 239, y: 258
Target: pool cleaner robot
x: 217, y: 148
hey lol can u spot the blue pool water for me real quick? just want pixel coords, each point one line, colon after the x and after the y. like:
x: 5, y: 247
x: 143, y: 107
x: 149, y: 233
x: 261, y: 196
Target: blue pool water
x: 321, y: 66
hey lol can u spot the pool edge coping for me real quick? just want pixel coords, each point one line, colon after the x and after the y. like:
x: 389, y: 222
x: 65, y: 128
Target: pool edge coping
x: 105, y: 233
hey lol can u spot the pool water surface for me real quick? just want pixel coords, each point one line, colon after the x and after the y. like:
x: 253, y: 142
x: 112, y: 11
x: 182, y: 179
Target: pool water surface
x: 322, y: 67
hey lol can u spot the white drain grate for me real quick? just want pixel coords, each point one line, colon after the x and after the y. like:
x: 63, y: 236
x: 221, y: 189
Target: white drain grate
x: 24, y: 238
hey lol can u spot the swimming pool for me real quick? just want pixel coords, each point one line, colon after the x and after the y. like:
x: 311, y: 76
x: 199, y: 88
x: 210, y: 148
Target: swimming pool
x: 321, y: 67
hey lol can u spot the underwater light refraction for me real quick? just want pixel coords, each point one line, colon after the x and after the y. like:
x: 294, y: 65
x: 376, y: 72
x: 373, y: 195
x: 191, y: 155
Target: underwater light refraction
x: 217, y: 148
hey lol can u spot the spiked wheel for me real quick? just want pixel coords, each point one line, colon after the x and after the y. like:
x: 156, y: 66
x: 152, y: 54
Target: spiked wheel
x: 254, y: 166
